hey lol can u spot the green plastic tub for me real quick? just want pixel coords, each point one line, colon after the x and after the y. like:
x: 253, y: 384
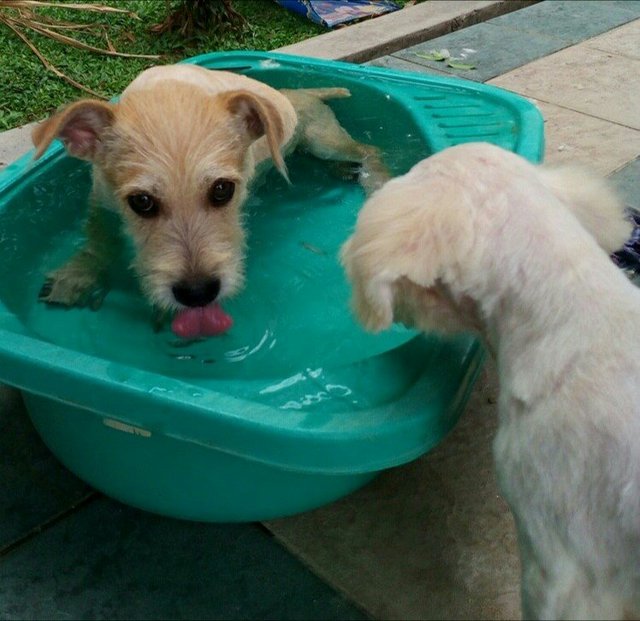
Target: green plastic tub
x: 296, y: 406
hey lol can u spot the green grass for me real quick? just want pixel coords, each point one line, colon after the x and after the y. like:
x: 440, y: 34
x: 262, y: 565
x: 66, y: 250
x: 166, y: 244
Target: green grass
x: 29, y: 91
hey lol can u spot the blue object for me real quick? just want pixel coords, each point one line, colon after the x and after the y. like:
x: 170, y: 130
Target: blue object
x: 330, y: 13
x: 296, y: 406
x: 628, y: 257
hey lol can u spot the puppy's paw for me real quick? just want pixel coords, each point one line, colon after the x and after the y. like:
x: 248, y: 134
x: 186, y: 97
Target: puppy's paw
x: 346, y: 171
x: 70, y: 286
x: 373, y: 173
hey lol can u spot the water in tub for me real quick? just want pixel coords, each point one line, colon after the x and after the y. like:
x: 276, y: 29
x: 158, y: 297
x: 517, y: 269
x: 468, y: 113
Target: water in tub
x: 293, y: 333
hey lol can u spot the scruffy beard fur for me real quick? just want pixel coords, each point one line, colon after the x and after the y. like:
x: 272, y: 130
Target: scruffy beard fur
x: 175, y: 133
x: 476, y: 239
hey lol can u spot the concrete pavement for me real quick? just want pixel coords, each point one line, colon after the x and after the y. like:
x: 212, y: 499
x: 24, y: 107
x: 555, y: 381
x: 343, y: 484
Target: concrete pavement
x: 432, y: 539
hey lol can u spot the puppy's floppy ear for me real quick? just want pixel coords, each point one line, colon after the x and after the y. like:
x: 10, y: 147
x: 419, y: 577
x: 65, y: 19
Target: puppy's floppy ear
x: 79, y: 126
x: 260, y: 118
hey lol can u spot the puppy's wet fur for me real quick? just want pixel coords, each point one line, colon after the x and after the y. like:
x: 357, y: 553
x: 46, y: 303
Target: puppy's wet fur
x: 475, y: 239
x: 175, y: 156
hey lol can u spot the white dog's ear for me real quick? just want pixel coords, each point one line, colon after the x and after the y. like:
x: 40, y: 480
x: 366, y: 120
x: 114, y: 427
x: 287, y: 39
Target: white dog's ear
x: 373, y: 280
x: 79, y: 126
x: 401, y: 236
x: 372, y: 297
x: 260, y: 118
x: 375, y: 305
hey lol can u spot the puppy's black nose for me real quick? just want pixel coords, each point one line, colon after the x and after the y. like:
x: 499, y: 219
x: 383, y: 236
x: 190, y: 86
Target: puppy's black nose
x: 196, y: 292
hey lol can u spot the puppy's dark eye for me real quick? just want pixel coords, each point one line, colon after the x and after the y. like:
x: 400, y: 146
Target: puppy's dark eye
x: 143, y: 204
x: 221, y: 192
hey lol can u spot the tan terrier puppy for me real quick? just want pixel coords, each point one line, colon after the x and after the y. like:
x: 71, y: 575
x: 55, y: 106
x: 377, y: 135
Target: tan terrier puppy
x: 174, y: 156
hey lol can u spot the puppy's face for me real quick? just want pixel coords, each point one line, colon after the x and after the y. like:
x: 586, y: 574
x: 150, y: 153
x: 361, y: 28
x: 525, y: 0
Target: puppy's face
x: 177, y: 162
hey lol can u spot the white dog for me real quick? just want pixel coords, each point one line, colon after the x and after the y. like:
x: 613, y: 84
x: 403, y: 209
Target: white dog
x: 476, y: 238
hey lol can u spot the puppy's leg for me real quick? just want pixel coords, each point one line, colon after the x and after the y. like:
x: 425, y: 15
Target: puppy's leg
x: 321, y: 134
x: 334, y: 143
x: 81, y: 281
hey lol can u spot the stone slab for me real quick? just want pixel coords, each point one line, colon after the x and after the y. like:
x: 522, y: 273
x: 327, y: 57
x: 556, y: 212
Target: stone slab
x: 493, y: 50
x: 623, y: 41
x: 399, y: 64
x: 584, y: 79
x: 35, y: 487
x: 569, y: 21
x: 14, y: 143
x: 430, y: 540
x: 109, y: 561
x: 573, y: 137
x: 388, y: 33
x: 627, y: 181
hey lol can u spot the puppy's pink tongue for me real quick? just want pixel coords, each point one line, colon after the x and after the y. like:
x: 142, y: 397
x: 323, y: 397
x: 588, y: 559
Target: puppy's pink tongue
x: 214, y: 320
x: 208, y: 321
